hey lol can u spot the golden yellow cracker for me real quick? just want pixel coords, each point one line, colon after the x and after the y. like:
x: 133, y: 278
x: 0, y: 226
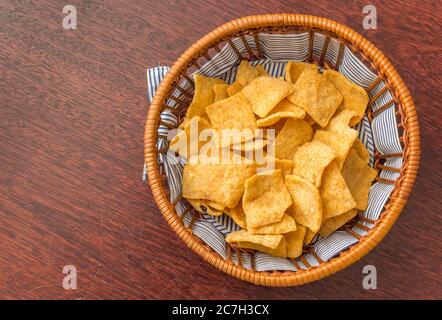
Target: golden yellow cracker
x: 311, y: 159
x: 246, y: 73
x: 220, y: 91
x: 192, y: 128
x: 287, y: 224
x: 309, y: 235
x: 295, y: 242
x: 268, y: 243
x: 307, y: 207
x: 293, y: 135
x: 233, y: 113
x: 316, y: 95
x: 238, y: 215
x: 355, y: 98
x: 336, y: 197
x: 339, y: 142
x: 222, y: 183
x: 201, y: 204
x: 332, y: 224
x: 280, y: 251
x: 265, y: 199
x: 340, y: 121
x: 265, y: 92
x: 284, y: 109
x: 234, y: 88
x: 361, y: 150
x: 261, y: 70
x: 358, y: 177
x: 204, y: 95
x: 294, y: 69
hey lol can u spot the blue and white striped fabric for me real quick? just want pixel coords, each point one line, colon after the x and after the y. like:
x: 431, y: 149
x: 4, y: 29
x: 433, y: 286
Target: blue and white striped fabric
x: 381, y: 135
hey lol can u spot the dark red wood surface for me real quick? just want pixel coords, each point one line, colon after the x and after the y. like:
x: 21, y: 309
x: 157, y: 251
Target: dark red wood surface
x: 73, y: 106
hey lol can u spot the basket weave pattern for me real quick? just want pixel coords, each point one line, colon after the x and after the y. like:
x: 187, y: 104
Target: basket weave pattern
x: 204, y: 49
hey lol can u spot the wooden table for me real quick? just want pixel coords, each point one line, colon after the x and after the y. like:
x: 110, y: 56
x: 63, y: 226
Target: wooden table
x: 73, y: 106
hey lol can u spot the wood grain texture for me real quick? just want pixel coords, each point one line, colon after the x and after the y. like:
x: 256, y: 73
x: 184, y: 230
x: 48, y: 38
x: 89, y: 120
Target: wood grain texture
x: 73, y: 106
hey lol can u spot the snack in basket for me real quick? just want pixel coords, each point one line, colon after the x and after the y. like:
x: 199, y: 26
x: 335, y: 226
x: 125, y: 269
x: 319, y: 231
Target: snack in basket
x: 284, y: 109
x: 300, y: 171
x: 354, y: 97
x: 265, y: 199
x: 307, y: 204
x: 269, y: 243
x: 293, y: 134
x: 294, y: 69
x: 204, y: 96
x: 316, y: 95
x: 265, y: 92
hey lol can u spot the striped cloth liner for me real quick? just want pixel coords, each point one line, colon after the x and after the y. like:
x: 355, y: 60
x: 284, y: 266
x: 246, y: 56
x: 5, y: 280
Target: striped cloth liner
x: 381, y: 134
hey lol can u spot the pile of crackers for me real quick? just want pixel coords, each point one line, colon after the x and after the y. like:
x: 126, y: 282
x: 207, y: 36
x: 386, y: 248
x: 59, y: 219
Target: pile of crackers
x: 319, y: 176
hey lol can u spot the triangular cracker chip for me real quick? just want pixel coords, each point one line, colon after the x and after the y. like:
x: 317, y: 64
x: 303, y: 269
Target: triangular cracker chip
x: 246, y: 73
x: 311, y: 159
x: 361, y: 150
x: 355, y: 98
x: 295, y: 242
x: 336, y: 197
x: 340, y: 121
x: 307, y: 206
x: 294, y: 69
x: 358, y: 177
x: 293, y: 134
x: 238, y: 215
x: 265, y: 199
x: 339, y: 142
x: 316, y: 95
x: 232, y: 113
x: 203, y: 96
x: 268, y: 243
x: 265, y: 92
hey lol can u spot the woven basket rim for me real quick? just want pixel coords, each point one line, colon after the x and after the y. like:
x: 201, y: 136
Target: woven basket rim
x: 403, y: 186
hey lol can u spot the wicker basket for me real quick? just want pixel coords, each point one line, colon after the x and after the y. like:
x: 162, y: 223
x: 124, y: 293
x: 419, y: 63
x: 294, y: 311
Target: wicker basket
x: 252, y: 27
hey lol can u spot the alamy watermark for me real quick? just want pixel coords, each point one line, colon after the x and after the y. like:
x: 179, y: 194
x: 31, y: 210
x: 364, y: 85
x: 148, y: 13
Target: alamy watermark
x: 70, y: 20
x: 70, y: 280
x: 370, y: 280
x: 370, y: 20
